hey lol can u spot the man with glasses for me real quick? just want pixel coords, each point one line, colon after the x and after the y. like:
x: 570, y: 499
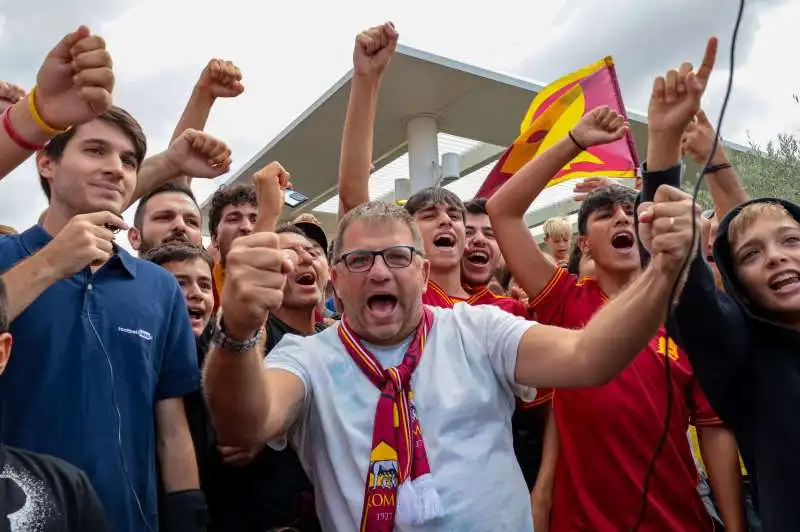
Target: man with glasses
x: 401, y: 414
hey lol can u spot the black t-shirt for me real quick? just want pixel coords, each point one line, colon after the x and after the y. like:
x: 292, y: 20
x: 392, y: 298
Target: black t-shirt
x: 271, y: 491
x: 40, y: 493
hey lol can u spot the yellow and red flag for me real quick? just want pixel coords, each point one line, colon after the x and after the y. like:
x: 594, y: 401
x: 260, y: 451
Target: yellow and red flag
x: 553, y: 113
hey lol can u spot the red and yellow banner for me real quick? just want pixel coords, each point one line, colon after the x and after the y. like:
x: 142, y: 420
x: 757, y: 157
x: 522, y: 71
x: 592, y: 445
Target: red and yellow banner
x: 553, y: 113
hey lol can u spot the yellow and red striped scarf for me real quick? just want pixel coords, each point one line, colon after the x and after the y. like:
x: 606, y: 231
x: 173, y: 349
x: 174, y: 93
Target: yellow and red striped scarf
x: 398, y: 484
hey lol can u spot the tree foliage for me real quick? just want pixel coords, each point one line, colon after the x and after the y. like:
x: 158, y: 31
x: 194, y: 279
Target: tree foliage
x: 772, y: 170
x: 769, y: 171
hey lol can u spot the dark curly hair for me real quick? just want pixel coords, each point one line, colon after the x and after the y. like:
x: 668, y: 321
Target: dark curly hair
x: 231, y: 195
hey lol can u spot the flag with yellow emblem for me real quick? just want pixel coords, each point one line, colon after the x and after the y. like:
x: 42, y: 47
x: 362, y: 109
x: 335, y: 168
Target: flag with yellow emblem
x: 553, y: 113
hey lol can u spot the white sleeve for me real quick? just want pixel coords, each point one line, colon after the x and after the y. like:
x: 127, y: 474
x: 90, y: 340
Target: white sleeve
x: 500, y: 334
x: 289, y: 355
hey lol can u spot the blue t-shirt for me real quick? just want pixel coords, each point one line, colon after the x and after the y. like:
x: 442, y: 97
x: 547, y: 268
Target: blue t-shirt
x: 129, y: 320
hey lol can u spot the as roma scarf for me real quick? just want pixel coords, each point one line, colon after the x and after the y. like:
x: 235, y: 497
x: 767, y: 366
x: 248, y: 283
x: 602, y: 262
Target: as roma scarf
x: 399, y: 484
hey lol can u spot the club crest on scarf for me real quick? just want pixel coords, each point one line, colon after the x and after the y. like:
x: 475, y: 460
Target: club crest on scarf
x: 399, y: 484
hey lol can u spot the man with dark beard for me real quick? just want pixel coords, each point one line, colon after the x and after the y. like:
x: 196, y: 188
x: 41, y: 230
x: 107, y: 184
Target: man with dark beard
x: 168, y: 214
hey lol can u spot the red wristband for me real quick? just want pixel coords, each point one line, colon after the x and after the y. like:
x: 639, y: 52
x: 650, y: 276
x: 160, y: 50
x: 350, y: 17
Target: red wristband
x: 14, y: 135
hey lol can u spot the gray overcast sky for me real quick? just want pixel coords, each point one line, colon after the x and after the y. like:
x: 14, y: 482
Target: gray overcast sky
x: 289, y: 60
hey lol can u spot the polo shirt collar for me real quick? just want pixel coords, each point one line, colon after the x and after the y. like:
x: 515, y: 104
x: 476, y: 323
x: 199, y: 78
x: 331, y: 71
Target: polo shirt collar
x: 35, y: 238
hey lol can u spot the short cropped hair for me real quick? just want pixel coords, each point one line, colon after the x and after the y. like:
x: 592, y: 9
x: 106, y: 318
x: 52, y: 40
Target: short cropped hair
x: 241, y: 194
x: 556, y: 227
x: 116, y: 116
x: 428, y: 197
x: 380, y: 212
x: 745, y: 218
x: 178, y: 252
x: 170, y: 186
x: 603, y: 198
x: 476, y: 206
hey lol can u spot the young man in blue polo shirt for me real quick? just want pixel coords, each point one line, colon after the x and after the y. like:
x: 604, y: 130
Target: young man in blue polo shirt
x: 105, y: 347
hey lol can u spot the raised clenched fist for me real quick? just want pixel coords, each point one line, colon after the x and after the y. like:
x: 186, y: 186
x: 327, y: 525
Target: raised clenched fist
x: 221, y: 79
x: 600, y: 126
x: 665, y: 228
x: 270, y: 182
x: 75, y: 81
x: 374, y: 49
x: 197, y: 154
x: 698, y: 139
x: 255, y: 274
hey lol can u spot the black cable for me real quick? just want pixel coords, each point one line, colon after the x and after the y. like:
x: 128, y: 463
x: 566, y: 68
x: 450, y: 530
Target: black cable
x: 684, y: 267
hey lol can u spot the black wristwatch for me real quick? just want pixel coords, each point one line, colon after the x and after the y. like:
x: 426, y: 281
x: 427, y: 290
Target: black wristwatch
x: 221, y: 340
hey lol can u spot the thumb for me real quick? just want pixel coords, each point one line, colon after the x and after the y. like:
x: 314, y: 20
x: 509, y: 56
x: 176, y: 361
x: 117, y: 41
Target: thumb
x: 63, y: 48
x: 666, y: 193
x: 645, y: 212
x: 702, y: 118
x: 289, y: 259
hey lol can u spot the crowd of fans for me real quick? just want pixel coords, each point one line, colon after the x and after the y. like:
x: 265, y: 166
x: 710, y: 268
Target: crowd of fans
x: 427, y: 367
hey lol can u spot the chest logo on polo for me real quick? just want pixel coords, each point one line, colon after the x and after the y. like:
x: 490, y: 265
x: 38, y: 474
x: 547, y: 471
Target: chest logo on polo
x: 141, y: 333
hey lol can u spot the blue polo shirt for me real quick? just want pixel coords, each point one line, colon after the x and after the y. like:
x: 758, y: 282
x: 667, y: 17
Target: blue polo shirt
x: 129, y: 320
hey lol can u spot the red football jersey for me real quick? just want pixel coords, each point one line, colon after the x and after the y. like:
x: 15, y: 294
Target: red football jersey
x: 436, y: 296
x: 608, y: 433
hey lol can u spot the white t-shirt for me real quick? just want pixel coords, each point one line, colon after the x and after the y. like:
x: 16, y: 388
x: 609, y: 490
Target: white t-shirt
x: 464, y: 397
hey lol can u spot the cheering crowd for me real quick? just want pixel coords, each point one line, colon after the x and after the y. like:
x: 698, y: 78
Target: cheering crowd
x: 427, y: 367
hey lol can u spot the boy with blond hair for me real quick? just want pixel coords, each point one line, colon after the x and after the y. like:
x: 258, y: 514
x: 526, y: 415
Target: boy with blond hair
x: 558, y: 237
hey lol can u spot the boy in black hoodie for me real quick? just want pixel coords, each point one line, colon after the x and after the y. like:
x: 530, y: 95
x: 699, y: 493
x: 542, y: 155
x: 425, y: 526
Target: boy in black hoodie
x: 744, y: 344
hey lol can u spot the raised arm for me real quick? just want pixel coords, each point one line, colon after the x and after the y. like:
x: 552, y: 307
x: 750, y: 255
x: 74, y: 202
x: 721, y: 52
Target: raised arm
x: 74, y: 86
x: 249, y: 404
x: 717, y: 359
x: 373, y: 51
x: 193, y: 153
x: 723, y: 181
x: 219, y: 79
x: 559, y: 358
x: 532, y: 268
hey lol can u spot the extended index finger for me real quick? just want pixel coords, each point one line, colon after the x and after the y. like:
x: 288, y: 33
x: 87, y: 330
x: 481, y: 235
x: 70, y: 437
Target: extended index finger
x: 710, y: 57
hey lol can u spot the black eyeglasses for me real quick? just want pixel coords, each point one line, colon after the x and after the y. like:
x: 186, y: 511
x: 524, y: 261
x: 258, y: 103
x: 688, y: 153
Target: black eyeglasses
x: 362, y: 260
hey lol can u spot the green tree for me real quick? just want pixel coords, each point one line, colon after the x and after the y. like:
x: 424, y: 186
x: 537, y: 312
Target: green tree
x: 772, y: 170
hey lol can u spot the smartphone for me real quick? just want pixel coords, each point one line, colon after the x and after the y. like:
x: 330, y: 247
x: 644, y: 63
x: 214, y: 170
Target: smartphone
x: 293, y: 198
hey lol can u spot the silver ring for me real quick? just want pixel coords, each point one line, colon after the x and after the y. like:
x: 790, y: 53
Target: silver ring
x: 671, y: 223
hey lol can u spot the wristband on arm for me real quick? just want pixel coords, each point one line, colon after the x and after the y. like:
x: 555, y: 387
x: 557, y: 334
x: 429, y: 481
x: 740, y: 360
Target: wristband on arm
x: 650, y: 183
x: 184, y: 511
